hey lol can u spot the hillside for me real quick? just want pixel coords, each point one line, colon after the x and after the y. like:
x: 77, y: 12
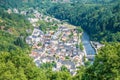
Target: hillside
x: 101, y: 21
x: 15, y: 63
x: 99, y: 18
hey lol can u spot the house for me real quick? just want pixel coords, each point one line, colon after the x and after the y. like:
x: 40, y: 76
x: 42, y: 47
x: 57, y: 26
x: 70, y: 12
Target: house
x: 37, y: 32
x: 97, y: 45
x: 34, y: 54
x: 54, y: 42
x: 51, y: 32
x: 38, y: 63
x: 35, y: 39
x: 23, y: 12
x: 56, y: 35
x: 77, y: 58
x: 9, y: 11
x: 29, y: 40
x: 69, y: 64
x: 58, y: 65
x: 15, y: 10
x: 47, y: 36
x: 64, y: 39
x: 56, y: 45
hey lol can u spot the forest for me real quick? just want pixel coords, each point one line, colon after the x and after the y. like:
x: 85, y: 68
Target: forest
x: 99, y: 18
x: 101, y: 21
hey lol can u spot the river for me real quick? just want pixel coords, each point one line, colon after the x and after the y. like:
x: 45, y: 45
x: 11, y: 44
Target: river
x: 86, y: 43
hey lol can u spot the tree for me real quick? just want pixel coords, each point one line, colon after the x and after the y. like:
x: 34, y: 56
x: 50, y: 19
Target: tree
x: 106, y: 64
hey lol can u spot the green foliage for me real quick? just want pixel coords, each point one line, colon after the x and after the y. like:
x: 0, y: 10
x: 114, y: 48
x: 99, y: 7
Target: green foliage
x: 67, y: 57
x: 61, y: 75
x: 106, y: 65
x: 18, y: 66
x: 44, y: 26
x: 100, y: 19
x: 81, y: 46
x: 80, y: 73
x: 14, y: 23
x: 77, y: 46
x: 20, y: 42
x: 71, y: 35
x: 87, y: 63
x: 47, y: 65
x: 40, y: 44
x: 11, y: 27
x: 79, y: 29
x: 15, y: 63
x: 10, y: 3
x: 64, y: 68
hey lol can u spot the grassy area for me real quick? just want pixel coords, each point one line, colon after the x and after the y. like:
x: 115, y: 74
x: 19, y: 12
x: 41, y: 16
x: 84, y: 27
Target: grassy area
x: 45, y: 26
x: 81, y: 46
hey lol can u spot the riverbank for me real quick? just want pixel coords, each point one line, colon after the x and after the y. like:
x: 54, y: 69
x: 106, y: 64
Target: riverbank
x: 96, y: 45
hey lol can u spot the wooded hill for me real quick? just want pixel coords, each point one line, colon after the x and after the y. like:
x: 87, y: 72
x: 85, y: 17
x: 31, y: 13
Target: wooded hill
x: 102, y: 21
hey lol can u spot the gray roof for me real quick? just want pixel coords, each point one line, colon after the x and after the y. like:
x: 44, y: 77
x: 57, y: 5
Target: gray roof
x: 68, y: 62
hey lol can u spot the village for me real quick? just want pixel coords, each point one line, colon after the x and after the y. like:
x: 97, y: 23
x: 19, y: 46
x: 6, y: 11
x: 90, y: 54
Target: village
x: 60, y: 46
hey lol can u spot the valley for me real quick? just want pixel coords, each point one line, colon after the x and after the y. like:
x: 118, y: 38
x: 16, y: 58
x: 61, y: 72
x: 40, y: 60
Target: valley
x: 59, y: 40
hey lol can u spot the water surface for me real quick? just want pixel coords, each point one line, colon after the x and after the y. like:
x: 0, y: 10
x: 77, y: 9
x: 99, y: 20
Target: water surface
x: 86, y: 43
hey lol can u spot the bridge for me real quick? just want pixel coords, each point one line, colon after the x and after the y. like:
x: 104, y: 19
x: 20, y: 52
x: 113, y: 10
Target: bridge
x: 90, y: 57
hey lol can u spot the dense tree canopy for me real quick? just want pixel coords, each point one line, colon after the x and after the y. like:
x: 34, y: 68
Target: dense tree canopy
x: 101, y: 21
x: 106, y: 65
